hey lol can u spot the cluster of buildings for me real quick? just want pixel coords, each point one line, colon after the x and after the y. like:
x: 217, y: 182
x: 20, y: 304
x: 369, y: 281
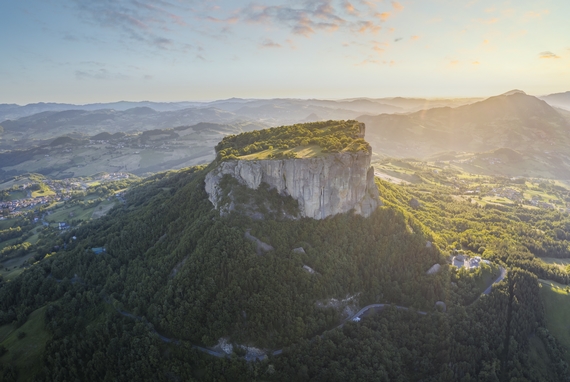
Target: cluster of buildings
x: 535, y: 201
x: 128, y: 142
x: 491, y: 160
x: 468, y: 262
x: 62, y: 188
x: 543, y: 205
x: 113, y: 176
x: 16, y: 207
x: 508, y: 193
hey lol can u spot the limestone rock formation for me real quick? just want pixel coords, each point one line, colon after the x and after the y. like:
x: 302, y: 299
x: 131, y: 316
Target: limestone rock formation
x: 323, y: 186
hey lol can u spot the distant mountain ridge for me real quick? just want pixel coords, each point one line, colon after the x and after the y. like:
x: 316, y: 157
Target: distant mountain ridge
x: 397, y: 126
x: 516, y: 120
x: 112, y: 121
x: 561, y: 100
x: 363, y: 105
x: 272, y: 111
x: 289, y: 110
x: 13, y: 111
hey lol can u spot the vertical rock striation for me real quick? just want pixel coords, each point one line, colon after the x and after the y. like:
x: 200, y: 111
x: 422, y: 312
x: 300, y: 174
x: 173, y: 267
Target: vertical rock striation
x: 323, y: 186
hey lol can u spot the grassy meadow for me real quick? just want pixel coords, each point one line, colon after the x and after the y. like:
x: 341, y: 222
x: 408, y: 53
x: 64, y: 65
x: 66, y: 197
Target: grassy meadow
x: 556, y: 300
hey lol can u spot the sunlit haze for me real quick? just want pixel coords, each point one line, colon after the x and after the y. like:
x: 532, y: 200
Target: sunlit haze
x: 82, y: 51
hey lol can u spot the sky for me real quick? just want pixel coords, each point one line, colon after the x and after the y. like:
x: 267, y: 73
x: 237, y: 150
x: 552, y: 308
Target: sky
x: 86, y: 51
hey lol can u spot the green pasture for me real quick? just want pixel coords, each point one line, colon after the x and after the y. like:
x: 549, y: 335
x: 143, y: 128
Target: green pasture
x: 556, y: 301
x: 25, y: 353
x: 10, y: 269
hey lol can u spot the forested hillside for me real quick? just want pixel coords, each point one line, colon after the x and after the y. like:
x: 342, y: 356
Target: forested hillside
x: 174, y: 274
x: 195, y: 277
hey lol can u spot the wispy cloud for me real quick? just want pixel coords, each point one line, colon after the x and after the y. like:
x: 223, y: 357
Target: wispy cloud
x: 397, y: 6
x: 349, y: 8
x: 371, y: 4
x: 99, y: 74
x: 379, y: 47
x: 488, y: 21
x: 306, y: 18
x: 369, y: 61
x: 268, y: 43
x: 228, y: 20
x: 532, y: 15
x: 291, y: 43
x: 547, y: 55
x: 317, y: 15
x: 368, y: 26
x: 140, y: 20
x: 383, y: 16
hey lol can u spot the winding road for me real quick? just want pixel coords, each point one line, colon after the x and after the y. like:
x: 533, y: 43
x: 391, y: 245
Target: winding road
x: 500, y: 278
x: 377, y: 307
x: 253, y: 356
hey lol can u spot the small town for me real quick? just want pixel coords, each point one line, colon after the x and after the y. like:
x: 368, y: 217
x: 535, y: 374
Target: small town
x: 58, y: 190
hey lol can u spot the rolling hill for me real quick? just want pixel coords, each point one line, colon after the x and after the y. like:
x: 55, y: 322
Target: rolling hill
x: 54, y: 123
x: 137, y: 152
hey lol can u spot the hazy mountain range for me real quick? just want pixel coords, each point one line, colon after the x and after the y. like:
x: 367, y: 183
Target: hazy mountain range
x: 397, y: 127
x: 271, y: 110
x: 54, y: 123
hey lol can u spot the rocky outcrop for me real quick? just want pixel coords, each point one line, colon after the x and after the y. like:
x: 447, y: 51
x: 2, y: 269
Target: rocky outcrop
x: 323, y: 186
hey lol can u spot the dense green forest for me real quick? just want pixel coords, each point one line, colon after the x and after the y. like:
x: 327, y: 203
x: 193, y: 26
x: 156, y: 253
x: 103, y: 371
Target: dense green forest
x: 516, y: 236
x: 175, y: 274
x: 330, y: 136
x: 487, y: 341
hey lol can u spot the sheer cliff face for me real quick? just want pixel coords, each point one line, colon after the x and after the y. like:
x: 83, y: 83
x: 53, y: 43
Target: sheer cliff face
x: 324, y: 186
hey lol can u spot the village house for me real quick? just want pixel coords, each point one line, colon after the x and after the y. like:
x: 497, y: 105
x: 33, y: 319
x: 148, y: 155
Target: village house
x: 468, y: 262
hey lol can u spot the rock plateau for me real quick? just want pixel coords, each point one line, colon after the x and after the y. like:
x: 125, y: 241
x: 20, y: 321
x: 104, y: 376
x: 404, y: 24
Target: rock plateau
x: 323, y: 186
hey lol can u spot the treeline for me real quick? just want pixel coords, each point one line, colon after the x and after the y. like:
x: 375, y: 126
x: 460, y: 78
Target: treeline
x: 331, y: 136
x: 10, y: 233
